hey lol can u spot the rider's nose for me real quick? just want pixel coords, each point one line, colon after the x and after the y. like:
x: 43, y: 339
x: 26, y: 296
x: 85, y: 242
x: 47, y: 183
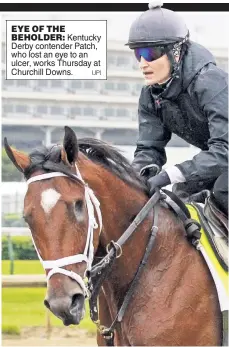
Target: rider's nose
x: 143, y: 63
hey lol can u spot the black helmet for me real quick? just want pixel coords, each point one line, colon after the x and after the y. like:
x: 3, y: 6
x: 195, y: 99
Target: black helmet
x: 157, y: 27
x: 160, y: 27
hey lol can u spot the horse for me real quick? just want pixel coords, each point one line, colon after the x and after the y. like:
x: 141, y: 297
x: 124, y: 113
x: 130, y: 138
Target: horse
x: 175, y: 300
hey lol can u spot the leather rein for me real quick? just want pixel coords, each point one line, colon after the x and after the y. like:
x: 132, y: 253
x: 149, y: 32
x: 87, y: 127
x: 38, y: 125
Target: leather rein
x: 100, y: 271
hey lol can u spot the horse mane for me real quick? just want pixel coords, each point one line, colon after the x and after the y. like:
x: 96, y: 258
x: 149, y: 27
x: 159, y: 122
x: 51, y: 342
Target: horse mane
x: 112, y: 159
x: 49, y: 159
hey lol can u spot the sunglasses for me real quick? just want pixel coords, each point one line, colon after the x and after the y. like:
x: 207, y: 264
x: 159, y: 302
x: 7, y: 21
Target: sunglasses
x: 149, y: 53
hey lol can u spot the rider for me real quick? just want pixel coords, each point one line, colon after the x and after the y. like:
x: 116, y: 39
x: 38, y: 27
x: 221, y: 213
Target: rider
x: 187, y: 94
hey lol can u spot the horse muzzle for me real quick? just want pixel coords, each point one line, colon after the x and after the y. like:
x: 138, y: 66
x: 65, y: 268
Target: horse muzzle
x: 69, y: 308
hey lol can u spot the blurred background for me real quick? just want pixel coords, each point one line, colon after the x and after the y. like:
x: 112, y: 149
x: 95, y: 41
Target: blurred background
x: 34, y: 113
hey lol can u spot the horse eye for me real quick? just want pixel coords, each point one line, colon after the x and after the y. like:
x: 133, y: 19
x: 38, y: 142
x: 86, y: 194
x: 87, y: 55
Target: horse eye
x: 79, y: 205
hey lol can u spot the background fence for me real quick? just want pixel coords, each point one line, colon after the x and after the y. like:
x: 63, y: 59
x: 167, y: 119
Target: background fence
x: 23, y: 281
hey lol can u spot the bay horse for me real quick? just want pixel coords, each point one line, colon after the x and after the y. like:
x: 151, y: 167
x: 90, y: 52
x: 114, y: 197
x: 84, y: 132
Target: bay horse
x: 175, y: 301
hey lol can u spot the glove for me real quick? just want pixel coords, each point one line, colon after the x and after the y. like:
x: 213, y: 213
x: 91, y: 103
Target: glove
x: 158, y: 181
x: 150, y: 170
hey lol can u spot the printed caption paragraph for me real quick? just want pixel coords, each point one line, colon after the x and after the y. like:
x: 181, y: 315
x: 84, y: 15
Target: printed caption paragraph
x: 56, y: 50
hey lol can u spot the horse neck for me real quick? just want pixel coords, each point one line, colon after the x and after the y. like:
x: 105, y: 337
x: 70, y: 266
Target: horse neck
x: 171, y: 259
x: 119, y: 202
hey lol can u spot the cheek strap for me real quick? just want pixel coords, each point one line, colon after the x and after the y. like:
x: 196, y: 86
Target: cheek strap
x: 92, y: 203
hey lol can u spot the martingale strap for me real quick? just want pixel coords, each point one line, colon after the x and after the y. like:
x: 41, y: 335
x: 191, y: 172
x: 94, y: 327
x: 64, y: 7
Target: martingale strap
x: 128, y: 233
x: 93, y: 205
x: 101, y: 270
x: 108, y: 333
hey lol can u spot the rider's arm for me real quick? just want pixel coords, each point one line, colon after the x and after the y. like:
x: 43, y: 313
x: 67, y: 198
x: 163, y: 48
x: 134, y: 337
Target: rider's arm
x: 211, y: 91
x: 153, y: 135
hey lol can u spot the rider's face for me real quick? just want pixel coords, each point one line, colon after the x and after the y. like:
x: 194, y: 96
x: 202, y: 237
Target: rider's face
x: 157, y: 71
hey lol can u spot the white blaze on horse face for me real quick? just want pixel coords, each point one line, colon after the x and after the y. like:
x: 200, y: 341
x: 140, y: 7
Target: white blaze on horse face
x: 49, y: 198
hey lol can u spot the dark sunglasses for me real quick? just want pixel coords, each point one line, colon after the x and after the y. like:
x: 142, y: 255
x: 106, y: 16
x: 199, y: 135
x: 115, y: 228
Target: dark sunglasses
x: 149, y: 53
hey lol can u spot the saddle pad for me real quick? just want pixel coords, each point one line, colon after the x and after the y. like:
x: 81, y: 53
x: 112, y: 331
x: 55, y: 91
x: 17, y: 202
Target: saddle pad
x: 219, y: 274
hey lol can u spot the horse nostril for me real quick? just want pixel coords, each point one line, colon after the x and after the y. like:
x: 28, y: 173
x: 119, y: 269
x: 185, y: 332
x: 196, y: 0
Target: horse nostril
x: 46, y: 303
x: 77, y: 303
x: 76, y: 298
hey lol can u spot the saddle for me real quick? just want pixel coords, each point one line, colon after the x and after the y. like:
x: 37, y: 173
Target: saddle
x: 216, y: 218
x: 215, y: 225
x: 212, y: 220
x: 212, y: 242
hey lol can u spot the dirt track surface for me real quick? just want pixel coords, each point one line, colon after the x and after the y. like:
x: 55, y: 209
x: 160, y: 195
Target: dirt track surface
x: 58, y: 337
x: 52, y: 342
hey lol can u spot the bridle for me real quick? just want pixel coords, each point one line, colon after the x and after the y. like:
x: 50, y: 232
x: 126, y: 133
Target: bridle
x: 100, y: 271
x: 92, y: 203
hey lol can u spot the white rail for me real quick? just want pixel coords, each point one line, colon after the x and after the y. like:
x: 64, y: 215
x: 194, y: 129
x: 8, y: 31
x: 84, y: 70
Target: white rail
x: 16, y: 231
x: 23, y: 281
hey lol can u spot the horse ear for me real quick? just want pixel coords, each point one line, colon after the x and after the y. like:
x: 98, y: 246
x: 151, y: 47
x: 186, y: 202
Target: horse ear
x: 19, y: 159
x: 70, y: 145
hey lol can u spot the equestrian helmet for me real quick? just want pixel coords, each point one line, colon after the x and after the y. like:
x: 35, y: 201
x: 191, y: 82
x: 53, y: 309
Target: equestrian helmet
x: 157, y: 27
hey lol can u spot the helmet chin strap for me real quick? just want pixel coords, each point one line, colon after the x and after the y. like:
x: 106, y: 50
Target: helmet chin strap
x: 176, y: 51
x: 174, y: 65
x: 165, y: 82
x: 174, y: 68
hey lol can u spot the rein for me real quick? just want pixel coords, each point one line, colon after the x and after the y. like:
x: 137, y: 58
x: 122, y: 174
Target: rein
x: 100, y: 271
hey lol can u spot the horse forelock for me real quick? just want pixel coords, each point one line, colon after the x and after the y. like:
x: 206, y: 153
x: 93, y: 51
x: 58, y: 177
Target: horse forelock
x: 48, y: 159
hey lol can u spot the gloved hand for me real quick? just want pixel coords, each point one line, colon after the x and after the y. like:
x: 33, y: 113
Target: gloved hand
x: 158, y: 181
x: 150, y: 171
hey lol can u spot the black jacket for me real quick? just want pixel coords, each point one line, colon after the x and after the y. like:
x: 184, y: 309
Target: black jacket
x: 195, y: 107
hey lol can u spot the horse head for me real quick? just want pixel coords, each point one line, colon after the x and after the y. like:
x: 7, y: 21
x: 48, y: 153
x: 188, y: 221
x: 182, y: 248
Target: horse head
x: 60, y: 211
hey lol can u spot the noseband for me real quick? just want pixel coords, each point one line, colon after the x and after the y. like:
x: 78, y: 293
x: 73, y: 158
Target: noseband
x: 92, y: 203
